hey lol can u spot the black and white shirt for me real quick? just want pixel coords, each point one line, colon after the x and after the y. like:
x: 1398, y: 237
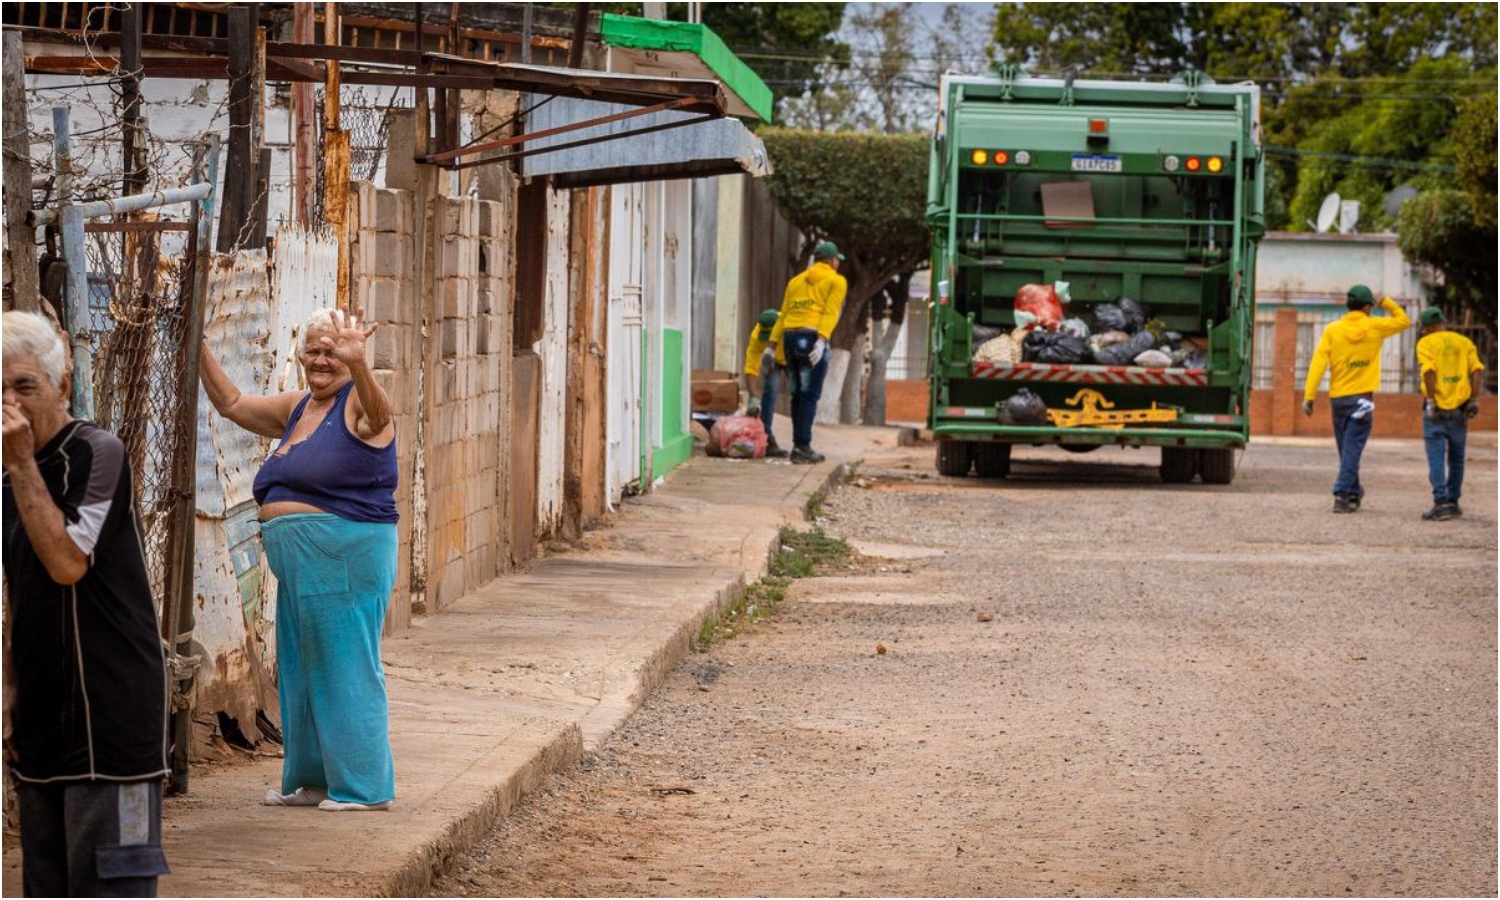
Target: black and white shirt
x: 91, y: 688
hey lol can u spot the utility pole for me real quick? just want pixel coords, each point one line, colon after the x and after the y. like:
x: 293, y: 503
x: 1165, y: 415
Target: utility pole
x: 23, y: 290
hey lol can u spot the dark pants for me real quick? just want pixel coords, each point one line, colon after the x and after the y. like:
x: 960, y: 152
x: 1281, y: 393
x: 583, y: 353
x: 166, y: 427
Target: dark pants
x: 1353, y: 419
x: 806, y: 382
x: 1444, y: 438
x: 91, y: 838
x: 770, y: 386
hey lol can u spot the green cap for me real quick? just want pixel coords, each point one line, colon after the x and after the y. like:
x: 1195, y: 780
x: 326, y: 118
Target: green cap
x: 1431, y: 316
x: 827, y: 250
x: 768, y: 317
x: 1359, y: 295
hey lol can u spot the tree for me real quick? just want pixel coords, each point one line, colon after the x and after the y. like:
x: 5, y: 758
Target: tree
x: 1454, y: 231
x: 785, y: 43
x: 867, y: 193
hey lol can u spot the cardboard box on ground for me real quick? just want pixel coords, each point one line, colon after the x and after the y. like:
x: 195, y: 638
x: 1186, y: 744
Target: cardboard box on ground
x: 715, y: 391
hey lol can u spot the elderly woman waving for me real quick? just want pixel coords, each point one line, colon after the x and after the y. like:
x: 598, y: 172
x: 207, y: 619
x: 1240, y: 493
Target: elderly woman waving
x: 328, y: 514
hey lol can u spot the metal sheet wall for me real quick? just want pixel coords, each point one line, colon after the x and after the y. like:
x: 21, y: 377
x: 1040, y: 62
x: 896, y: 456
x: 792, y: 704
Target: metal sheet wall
x: 553, y: 351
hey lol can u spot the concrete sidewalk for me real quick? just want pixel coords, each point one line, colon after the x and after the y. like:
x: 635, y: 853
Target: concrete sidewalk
x: 515, y: 681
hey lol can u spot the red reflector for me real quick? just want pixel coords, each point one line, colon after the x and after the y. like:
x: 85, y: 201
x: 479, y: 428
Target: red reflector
x: 1194, y: 164
x: 1098, y: 126
x: 1001, y: 157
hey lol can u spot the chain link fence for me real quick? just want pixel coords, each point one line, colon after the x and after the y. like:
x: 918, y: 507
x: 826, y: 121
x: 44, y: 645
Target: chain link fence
x: 363, y: 112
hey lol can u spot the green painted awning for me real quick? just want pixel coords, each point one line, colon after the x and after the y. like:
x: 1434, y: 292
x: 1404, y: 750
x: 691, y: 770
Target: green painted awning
x: 687, y: 50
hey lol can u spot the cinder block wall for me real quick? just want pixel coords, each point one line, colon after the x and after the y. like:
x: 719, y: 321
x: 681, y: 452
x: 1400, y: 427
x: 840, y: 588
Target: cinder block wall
x: 450, y: 387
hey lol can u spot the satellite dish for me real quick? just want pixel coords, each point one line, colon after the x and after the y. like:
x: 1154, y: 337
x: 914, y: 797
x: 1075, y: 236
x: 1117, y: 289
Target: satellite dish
x: 1348, y: 216
x: 1328, y: 213
x: 1395, y: 198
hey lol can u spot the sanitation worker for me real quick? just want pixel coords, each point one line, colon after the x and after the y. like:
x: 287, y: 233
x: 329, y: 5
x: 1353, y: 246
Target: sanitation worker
x: 809, y: 313
x: 1450, y: 370
x: 1349, y: 351
x: 762, y: 388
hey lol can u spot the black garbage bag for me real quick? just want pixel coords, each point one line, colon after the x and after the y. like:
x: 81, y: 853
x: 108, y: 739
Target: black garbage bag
x: 1123, y: 353
x: 1110, y: 317
x: 1024, y: 408
x: 983, y: 334
x: 1058, y: 347
x: 1135, y: 314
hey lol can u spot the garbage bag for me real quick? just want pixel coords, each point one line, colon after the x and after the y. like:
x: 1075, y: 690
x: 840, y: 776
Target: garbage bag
x: 738, y: 437
x: 1024, y: 408
x: 1135, y: 314
x: 1123, y: 353
x: 1197, y: 359
x: 985, y: 333
x: 1109, y: 317
x: 1153, y: 359
x: 1075, y: 327
x: 1003, y: 350
x: 1057, y: 347
x: 1105, y: 339
x: 1042, y: 301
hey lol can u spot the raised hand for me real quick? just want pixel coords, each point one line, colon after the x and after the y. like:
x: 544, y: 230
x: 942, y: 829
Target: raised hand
x: 17, y: 441
x: 347, y: 343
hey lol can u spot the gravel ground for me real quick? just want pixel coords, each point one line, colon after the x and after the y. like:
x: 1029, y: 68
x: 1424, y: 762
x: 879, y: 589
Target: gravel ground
x: 1091, y: 684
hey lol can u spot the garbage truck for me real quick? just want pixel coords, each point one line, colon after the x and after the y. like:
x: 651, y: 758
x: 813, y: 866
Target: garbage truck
x: 1132, y: 210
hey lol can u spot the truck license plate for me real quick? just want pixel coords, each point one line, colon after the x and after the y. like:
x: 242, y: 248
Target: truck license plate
x: 1097, y: 164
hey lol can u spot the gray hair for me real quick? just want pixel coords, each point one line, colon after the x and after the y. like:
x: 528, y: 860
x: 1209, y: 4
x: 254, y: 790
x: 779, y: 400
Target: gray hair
x: 33, y: 334
x: 323, y: 320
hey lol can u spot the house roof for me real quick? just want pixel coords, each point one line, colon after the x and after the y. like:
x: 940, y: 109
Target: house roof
x: 685, y: 50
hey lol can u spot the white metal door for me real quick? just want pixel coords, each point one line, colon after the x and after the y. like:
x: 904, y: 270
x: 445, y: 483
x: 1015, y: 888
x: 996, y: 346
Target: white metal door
x: 626, y: 243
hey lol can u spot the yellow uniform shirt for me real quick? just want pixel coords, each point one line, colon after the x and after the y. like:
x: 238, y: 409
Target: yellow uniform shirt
x: 1349, y: 351
x: 1453, y: 358
x: 813, y: 300
x: 755, y: 350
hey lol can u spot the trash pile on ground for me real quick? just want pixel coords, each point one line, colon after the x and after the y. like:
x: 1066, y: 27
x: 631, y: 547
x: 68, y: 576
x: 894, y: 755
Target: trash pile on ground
x: 1122, y: 333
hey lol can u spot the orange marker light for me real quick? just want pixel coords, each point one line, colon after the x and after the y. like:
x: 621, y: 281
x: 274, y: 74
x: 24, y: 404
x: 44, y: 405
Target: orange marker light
x: 979, y: 157
x: 1215, y: 164
x: 1098, y: 126
x: 1001, y: 157
x: 1194, y: 164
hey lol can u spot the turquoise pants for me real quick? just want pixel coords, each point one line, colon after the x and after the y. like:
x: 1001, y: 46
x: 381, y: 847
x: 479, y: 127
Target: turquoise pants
x: 334, y: 579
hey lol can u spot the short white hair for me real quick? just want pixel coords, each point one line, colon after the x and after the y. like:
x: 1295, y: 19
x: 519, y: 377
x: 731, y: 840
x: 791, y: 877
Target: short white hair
x: 33, y: 334
x: 323, y: 320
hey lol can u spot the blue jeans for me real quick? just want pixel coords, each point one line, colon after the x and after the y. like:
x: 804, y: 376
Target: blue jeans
x: 1444, y: 439
x: 770, y: 386
x: 1351, y: 430
x: 806, y: 382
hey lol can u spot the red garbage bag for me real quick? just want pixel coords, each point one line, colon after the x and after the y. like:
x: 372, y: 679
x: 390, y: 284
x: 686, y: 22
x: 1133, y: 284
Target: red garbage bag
x: 738, y: 437
x: 1041, y: 300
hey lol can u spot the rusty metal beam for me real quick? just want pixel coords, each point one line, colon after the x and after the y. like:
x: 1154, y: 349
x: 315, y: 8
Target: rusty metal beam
x: 668, y: 106
x: 92, y: 227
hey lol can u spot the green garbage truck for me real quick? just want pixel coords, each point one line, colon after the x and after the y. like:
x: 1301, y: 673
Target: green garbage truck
x: 1137, y: 203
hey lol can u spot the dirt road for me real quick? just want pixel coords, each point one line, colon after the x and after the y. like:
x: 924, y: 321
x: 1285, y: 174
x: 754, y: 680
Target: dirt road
x: 1093, y: 684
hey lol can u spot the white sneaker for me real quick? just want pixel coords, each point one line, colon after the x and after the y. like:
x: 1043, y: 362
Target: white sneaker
x: 300, y: 797
x: 341, y: 806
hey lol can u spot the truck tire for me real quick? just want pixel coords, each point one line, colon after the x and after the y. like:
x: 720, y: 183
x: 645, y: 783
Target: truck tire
x: 1216, y: 466
x: 954, y: 458
x: 991, y: 460
x: 1178, y: 464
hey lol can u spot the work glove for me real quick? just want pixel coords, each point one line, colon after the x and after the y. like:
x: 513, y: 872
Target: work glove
x: 753, y: 410
x: 1307, y: 407
x: 1429, y: 410
x: 1471, y: 409
x: 819, y: 348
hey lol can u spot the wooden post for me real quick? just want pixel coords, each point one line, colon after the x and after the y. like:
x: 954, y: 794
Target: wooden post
x: 23, y: 289
x: 239, y: 166
x: 335, y: 157
x: 580, y: 35
x: 305, y: 151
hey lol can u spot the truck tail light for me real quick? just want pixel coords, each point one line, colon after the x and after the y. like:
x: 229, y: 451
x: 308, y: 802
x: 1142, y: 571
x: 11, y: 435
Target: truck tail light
x: 1215, y: 164
x: 1001, y: 157
x: 979, y: 157
x: 1194, y: 163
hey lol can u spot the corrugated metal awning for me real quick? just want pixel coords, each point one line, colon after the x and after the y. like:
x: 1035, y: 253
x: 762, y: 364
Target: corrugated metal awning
x: 654, y: 147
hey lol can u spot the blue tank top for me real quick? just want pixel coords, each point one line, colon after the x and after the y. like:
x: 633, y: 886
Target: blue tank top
x: 332, y: 470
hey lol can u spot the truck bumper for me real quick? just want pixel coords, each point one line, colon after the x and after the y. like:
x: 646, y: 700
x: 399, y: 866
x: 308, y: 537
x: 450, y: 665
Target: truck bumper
x: 1126, y: 437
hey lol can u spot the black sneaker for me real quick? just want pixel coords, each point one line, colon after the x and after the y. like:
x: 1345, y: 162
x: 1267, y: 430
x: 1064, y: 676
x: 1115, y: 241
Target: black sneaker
x: 775, y: 452
x: 1341, y: 505
x: 1353, y: 502
x: 1454, y: 507
x: 806, y: 456
x: 1441, y: 512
